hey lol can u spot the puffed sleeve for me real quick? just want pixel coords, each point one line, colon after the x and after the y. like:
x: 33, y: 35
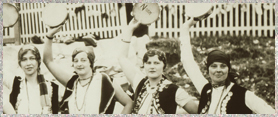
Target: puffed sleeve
x: 257, y: 105
x: 182, y: 97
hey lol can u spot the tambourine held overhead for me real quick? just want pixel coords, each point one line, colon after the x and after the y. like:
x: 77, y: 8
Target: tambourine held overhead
x: 54, y: 14
x: 199, y: 11
x: 147, y: 13
x: 10, y: 15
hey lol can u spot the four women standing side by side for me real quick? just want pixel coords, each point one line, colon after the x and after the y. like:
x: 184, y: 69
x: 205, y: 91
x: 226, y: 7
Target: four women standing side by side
x: 88, y: 92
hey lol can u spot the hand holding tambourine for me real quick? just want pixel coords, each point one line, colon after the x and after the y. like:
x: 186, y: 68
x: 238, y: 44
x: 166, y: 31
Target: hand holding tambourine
x: 198, y: 11
x: 146, y: 13
x: 10, y: 15
x: 54, y: 14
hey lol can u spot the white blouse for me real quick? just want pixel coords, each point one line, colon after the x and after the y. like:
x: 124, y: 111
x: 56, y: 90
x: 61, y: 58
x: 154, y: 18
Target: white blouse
x: 87, y: 101
x: 253, y: 102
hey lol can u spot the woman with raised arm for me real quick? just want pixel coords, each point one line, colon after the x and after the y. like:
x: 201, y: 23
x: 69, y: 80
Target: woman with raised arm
x: 86, y: 92
x: 33, y: 94
x: 154, y: 93
x: 222, y: 95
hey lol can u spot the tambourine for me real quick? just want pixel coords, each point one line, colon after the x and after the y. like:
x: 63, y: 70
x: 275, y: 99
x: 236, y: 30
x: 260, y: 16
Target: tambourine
x: 10, y: 15
x: 147, y: 13
x: 199, y: 11
x: 54, y: 14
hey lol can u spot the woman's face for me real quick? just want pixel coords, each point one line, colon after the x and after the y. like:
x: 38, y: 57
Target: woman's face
x: 29, y: 64
x: 153, y: 67
x: 81, y: 64
x: 218, y: 72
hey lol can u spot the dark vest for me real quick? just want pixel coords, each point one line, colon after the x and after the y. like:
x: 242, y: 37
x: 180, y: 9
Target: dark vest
x: 16, y: 91
x: 233, y: 102
x: 166, y: 97
x: 107, y: 91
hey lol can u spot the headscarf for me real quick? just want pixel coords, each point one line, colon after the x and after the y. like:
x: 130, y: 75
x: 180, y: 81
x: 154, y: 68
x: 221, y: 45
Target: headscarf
x: 218, y: 56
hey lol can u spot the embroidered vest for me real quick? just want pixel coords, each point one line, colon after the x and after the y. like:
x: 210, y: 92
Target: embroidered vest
x: 16, y: 91
x: 233, y: 102
x: 107, y: 92
x: 166, y: 97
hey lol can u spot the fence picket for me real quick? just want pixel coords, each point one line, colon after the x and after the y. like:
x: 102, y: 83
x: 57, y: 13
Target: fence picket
x: 90, y: 21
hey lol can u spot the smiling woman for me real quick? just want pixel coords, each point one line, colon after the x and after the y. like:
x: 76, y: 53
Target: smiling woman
x: 222, y: 95
x: 87, y: 91
x: 154, y: 93
x: 43, y: 93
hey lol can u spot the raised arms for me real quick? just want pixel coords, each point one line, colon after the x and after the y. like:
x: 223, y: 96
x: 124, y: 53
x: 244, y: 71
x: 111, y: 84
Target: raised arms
x: 187, y: 58
x: 59, y: 73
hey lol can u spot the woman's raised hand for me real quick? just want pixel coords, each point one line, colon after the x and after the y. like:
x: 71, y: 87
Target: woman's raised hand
x: 188, y: 24
x: 52, y: 31
x: 133, y: 24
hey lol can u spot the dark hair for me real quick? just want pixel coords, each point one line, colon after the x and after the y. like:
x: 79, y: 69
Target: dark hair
x: 90, y: 54
x: 26, y: 48
x: 152, y: 52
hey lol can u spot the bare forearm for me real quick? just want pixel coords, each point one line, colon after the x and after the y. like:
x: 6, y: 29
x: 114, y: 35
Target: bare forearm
x: 127, y: 108
x: 189, y: 64
x: 47, y: 52
x: 125, y: 42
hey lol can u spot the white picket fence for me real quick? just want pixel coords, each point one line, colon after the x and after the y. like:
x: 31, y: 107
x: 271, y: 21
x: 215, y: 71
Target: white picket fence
x: 254, y: 19
x: 90, y: 20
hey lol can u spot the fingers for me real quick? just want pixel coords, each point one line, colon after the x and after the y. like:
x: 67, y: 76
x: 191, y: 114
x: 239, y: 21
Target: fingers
x: 54, y: 30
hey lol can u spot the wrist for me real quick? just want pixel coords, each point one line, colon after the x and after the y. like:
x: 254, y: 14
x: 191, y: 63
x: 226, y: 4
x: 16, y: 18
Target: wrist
x: 126, y: 41
x: 49, y: 37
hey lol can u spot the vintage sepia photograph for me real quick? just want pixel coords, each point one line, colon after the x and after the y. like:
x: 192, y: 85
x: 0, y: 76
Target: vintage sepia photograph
x: 138, y: 58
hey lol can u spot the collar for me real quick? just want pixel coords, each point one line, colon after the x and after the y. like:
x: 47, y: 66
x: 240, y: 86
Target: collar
x: 217, y: 85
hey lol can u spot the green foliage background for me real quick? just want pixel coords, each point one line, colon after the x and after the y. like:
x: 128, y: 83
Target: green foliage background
x: 252, y: 58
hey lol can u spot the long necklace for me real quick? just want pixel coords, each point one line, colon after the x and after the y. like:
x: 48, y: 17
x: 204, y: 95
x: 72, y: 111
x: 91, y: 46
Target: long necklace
x: 84, y: 84
x: 28, y: 97
x: 219, y: 100
x: 84, y: 98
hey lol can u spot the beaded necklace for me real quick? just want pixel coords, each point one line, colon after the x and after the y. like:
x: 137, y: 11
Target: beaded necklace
x: 84, y: 98
x: 155, y: 97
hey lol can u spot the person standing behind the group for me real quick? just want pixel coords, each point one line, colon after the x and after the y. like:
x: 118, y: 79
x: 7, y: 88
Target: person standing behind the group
x: 222, y: 95
x: 86, y: 92
x: 33, y: 94
x: 154, y: 94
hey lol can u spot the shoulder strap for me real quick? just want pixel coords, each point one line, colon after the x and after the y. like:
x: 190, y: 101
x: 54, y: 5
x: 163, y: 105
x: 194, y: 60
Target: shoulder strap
x: 55, y: 98
x: 68, y: 92
x: 15, y: 90
x: 107, y: 96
